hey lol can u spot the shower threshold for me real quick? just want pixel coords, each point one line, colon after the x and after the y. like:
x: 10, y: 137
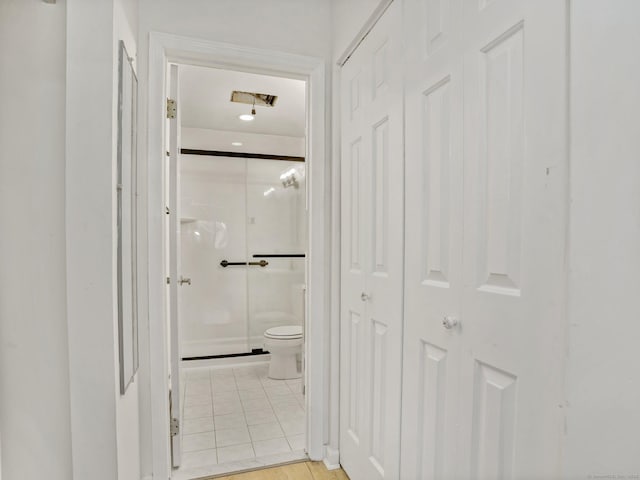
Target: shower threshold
x: 253, y: 352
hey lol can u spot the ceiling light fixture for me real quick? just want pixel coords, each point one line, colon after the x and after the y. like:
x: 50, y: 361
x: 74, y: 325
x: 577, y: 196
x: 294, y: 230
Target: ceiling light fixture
x: 236, y: 144
x: 246, y: 117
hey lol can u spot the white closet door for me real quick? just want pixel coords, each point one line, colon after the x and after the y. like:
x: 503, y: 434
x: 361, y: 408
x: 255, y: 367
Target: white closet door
x: 433, y: 263
x: 482, y: 399
x: 513, y: 320
x: 372, y: 249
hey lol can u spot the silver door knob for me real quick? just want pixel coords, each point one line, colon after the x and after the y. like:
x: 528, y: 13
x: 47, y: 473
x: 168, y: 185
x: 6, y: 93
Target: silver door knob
x: 449, y: 322
x: 184, y: 280
x: 364, y: 297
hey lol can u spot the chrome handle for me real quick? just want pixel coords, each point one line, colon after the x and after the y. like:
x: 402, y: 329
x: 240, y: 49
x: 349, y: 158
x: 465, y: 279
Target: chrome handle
x: 449, y: 322
x: 184, y: 280
x: 364, y: 297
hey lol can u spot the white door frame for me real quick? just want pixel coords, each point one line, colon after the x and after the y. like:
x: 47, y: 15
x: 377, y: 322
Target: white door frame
x: 164, y: 48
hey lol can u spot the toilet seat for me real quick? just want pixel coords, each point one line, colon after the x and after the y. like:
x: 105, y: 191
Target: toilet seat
x: 285, y: 332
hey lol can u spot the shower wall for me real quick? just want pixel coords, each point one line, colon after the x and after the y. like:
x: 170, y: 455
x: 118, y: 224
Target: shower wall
x: 232, y: 209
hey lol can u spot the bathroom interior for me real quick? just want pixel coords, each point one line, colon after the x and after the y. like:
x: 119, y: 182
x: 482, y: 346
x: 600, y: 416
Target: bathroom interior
x: 243, y: 239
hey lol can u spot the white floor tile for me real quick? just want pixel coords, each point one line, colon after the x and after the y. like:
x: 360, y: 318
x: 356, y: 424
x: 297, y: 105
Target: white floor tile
x: 293, y: 427
x: 289, y: 412
x: 252, y: 393
x: 257, y: 417
x: 198, y: 388
x: 235, y: 452
x: 199, y: 459
x: 225, y: 408
x: 270, y: 382
x: 271, y: 447
x: 295, y: 387
x: 232, y: 436
x: 224, y: 385
x: 297, y: 442
x: 226, y: 396
x: 285, y: 401
x: 248, y: 383
x: 233, y: 420
x: 197, y: 400
x: 197, y: 425
x: 197, y: 411
x: 198, y: 441
x: 278, y: 390
x: 265, y: 431
x: 255, y: 404
x: 197, y: 374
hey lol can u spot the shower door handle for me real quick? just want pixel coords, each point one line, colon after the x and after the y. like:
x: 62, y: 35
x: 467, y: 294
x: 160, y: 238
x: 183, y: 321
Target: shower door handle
x: 261, y: 263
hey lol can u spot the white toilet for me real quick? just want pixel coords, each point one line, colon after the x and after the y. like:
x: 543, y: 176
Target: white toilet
x: 285, y: 344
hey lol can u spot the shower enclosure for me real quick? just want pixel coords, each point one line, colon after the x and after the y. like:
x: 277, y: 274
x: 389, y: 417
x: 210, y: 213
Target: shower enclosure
x: 243, y: 244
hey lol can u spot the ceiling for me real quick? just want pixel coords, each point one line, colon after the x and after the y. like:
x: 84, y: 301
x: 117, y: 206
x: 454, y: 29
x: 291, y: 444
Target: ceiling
x: 205, y: 94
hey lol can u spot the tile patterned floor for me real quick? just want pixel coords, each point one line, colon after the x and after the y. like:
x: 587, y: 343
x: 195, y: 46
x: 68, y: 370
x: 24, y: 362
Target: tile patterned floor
x: 238, y: 414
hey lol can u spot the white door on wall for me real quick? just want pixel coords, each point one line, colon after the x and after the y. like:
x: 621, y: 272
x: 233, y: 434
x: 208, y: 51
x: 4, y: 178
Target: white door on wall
x: 372, y: 244
x: 486, y: 184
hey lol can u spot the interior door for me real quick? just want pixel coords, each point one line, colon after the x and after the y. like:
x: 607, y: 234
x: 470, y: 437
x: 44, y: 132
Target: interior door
x: 174, y: 265
x: 372, y: 253
x: 484, y: 319
x: 515, y: 144
x: 434, y: 232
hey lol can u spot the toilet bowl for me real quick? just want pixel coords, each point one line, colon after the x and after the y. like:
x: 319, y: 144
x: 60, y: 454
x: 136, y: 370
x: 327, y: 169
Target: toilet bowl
x: 285, y: 344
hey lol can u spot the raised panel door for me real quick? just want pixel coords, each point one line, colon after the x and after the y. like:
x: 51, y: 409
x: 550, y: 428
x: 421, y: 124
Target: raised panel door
x: 372, y: 245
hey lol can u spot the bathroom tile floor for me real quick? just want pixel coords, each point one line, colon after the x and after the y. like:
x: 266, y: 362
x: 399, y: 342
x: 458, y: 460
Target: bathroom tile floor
x: 236, y: 418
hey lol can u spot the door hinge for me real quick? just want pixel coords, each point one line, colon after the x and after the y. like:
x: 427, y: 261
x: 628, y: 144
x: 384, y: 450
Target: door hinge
x: 175, y: 427
x: 167, y: 211
x: 168, y: 281
x: 172, y: 108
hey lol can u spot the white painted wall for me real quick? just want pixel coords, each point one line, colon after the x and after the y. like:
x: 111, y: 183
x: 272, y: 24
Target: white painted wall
x: 104, y: 424
x: 347, y: 18
x: 603, y: 393
x: 34, y: 366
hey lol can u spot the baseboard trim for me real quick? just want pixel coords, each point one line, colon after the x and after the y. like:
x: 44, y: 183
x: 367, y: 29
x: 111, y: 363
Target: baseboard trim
x: 331, y: 458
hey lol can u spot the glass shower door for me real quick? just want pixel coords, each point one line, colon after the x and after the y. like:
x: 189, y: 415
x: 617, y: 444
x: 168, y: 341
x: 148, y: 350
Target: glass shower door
x: 214, y: 319
x: 276, y: 235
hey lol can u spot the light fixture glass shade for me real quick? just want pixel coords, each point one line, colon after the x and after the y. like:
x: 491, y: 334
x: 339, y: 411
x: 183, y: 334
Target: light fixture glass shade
x: 246, y: 117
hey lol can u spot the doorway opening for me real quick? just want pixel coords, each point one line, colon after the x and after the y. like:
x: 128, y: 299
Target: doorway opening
x: 165, y: 52
x: 237, y: 230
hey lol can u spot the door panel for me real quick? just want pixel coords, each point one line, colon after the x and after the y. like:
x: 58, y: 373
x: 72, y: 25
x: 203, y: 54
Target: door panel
x: 485, y: 112
x: 372, y: 242
x: 433, y: 263
x: 515, y: 122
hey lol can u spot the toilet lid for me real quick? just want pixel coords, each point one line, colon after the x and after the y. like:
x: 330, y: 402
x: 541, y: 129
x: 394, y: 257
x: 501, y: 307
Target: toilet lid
x: 285, y: 331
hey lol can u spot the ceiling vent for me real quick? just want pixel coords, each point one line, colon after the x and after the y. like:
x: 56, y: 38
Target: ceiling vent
x: 261, y: 99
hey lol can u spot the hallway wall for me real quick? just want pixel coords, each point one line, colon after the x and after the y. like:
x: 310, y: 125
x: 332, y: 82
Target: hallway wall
x: 34, y: 364
x: 602, y: 415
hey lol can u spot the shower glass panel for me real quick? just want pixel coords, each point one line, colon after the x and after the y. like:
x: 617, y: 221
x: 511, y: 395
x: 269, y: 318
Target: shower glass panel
x: 240, y: 211
x: 213, y: 309
x: 276, y: 226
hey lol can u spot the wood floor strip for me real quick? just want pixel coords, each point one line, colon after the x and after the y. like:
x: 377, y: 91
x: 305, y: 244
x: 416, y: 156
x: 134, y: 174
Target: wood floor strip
x: 294, y: 471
